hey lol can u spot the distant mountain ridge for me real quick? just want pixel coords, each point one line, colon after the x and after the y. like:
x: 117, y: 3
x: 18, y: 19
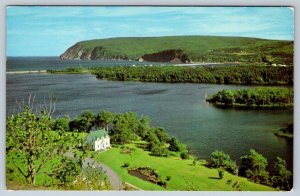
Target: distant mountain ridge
x: 184, y: 49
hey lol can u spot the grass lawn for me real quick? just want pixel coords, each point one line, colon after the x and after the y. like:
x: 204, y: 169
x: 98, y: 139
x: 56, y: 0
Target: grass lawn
x: 184, y: 175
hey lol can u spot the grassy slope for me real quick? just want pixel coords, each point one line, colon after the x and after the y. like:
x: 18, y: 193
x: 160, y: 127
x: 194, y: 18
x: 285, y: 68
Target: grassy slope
x: 194, y: 46
x: 184, y: 176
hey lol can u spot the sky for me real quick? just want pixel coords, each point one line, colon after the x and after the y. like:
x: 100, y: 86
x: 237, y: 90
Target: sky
x: 50, y: 30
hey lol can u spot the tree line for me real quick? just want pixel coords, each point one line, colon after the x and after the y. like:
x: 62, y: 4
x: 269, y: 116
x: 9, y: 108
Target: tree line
x: 256, y: 97
x: 125, y: 128
x: 253, y: 166
x: 246, y: 74
x: 37, y: 146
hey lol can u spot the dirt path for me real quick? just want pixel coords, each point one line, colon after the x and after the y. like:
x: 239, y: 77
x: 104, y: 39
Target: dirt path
x: 113, y: 178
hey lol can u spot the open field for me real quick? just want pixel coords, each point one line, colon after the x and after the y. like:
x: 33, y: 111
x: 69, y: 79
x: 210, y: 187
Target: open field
x: 184, y: 175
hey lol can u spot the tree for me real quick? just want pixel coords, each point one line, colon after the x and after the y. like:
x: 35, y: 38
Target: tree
x: 123, y: 129
x: 221, y: 160
x: 104, y: 119
x: 184, y: 155
x: 144, y: 126
x: 175, y: 145
x: 153, y: 141
x: 84, y: 123
x: 32, y: 148
x: 161, y: 134
x: 282, y: 178
x: 253, y: 166
x: 61, y: 124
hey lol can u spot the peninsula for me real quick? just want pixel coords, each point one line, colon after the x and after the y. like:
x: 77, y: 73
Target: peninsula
x: 185, y: 49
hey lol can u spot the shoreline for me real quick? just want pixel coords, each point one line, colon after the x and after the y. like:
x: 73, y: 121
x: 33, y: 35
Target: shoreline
x: 244, y: 106
x: 25, y: 72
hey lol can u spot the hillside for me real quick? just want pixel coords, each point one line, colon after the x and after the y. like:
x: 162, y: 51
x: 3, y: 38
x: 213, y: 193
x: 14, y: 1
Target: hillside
x: 183, y: 175
x: 185, y: 49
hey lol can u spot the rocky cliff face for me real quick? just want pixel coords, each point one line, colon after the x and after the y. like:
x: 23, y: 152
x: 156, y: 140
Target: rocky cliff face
x: 74, y: 52
x: 174, y: 56
x: 100, y: 53
x: 77, y: 52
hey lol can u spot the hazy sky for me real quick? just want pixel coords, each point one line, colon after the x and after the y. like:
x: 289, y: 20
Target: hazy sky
x: 50, y: 30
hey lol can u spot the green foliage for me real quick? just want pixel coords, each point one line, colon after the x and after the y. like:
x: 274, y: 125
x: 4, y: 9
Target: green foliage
x: 197, y: 48
x: 153, y: 140
x: 256, y: 97
x: 184, y: 155
x: 287, y: 132
x: 253, y: 166
x: 161, y: 134
x: 91, y: 179
x: 249, y: 75
x: 126, y: 164
x: 282, y: 177
x: 175, y: 145
x: 71, y: 70
x: 35, y: 152
x: 124, y: 128
x: 104, y: 119
x: 194, y: 162
x: 168, y: 178
x: 221, y: 160
x: 182, y: 174
x: 84, y: 123
x: 221, y: 173
x: 144, y: 127
x: 61, y: 124
x: 159, y: 151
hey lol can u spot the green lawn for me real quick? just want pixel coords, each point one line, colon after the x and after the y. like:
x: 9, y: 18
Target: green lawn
x: 184, y: 176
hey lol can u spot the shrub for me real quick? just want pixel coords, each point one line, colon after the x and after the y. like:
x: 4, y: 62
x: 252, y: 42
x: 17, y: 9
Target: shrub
x: 160, y: 151
x: 194, y: 162
x: 253, y: 166
x: 221, y: 160
x: 126, y: 165
x: 168, y: 178
x: 184, y: 155
x: 282, y: 178
x: 162, y: 183
x: 221, y: 173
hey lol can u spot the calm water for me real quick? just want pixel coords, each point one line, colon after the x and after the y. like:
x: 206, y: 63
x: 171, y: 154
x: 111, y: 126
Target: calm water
x: 179, y: 108
x: 44, y: 63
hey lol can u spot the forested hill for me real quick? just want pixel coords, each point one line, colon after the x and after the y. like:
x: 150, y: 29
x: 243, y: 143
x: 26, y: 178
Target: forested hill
x: 183, y: 49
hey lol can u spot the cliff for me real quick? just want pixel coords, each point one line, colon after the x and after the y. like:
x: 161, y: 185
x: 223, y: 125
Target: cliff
x: 174, y: 56
x: 184, y: 49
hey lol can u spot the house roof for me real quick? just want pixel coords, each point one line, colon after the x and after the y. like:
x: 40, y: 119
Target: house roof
x: 98, y: 134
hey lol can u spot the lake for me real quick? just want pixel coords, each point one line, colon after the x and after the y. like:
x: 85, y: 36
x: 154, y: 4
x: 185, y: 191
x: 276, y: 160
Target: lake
x: 179, y: 108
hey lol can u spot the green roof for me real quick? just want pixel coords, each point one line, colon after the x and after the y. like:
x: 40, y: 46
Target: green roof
x: 98, y: 134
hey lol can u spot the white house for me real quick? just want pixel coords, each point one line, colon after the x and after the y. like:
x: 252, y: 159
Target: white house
x: 98, y: 140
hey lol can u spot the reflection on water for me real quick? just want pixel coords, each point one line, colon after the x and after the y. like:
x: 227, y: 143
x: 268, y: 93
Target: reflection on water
x: 179, y: 108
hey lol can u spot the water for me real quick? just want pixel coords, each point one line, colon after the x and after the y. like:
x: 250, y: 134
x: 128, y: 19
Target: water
x: 54, y: 63
x: 179, y: 108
